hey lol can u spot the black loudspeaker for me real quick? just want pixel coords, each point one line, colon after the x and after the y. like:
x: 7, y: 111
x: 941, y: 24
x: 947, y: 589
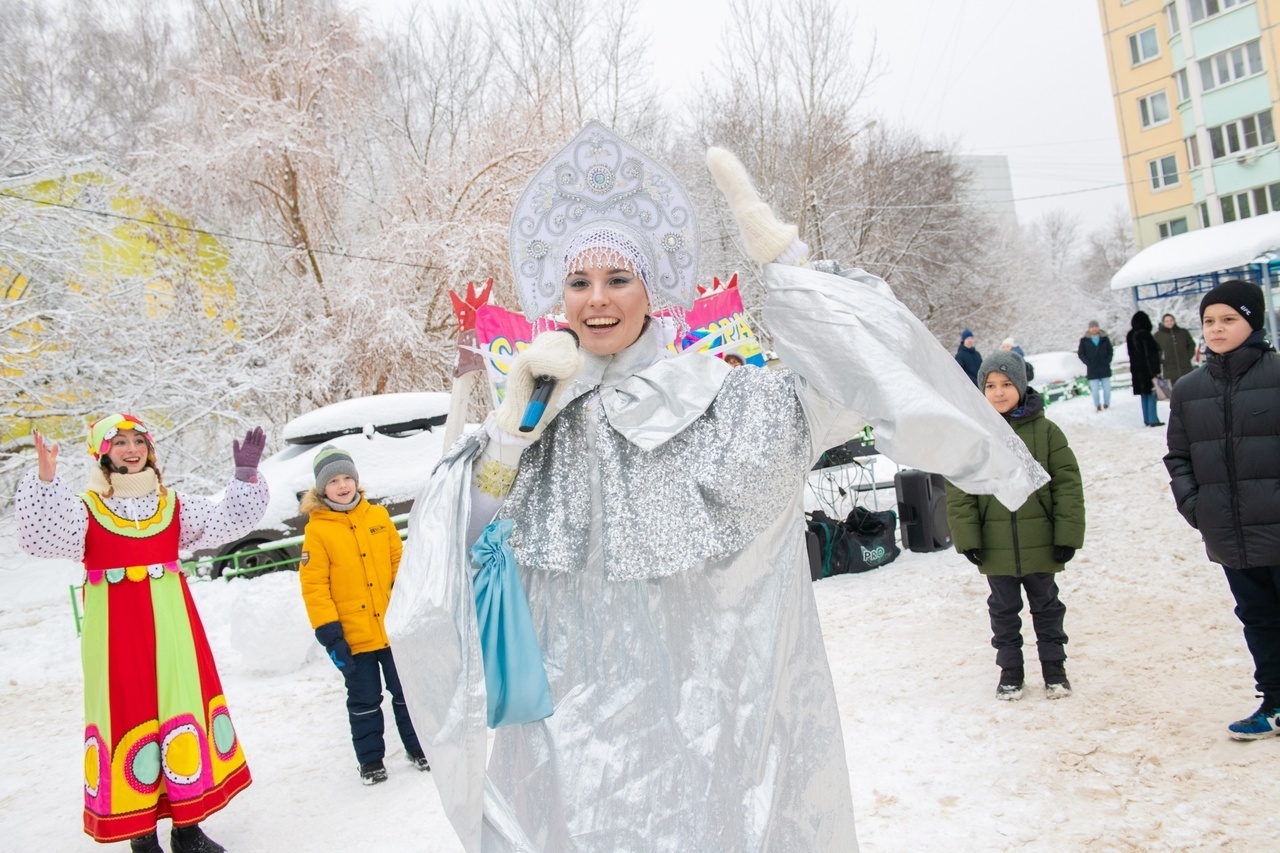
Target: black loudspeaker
x: 922, y: 506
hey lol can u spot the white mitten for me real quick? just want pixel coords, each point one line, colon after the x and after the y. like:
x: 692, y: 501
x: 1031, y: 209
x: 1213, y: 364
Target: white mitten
x: 765, y: 238
x: 553, y: 354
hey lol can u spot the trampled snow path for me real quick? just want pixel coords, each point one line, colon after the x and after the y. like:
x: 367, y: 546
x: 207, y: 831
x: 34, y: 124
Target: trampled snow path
x: 1137, y: 759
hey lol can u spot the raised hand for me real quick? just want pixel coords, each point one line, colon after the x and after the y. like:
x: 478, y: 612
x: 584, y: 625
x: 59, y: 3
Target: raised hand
x: 46, y: 457
x: 765, y: 238
x: 248, y: 453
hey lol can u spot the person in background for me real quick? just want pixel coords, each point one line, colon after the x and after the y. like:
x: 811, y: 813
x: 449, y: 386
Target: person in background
x: 1024, y: 549
x: 350, y: 555
x: 158, y: 739
x: 1224, y: 470
x: 1144, y: 366
x: 1095, y: 351
x: 968, y: 356
x: 1177, y: 349
x: 1009, y: 345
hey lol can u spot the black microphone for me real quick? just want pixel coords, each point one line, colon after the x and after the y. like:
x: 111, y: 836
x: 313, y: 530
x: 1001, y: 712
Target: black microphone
x: 116, y: 470
x: 542, y: 388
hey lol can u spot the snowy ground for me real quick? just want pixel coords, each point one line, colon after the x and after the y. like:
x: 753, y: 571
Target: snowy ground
x: 1137, y: 759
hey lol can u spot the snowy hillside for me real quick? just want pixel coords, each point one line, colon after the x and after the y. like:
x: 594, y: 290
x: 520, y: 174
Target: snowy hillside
x: 1137, y: 759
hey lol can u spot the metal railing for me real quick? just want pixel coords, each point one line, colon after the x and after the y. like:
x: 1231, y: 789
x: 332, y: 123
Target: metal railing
x: 241, y: 563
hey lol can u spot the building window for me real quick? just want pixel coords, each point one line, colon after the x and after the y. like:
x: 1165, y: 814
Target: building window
x: 1164, y: 172
x: 1173, y: 227
x: 1193, y: 151
x: 1254, y: 202
x: 1144, y: 46
x: 1231, y: 65
x: 1154, y: 109
x: 1201, y: 9
x: 1171, y: 12
x: 1204, y: 214
x: 1242, y: 134
x: 1184, y: 91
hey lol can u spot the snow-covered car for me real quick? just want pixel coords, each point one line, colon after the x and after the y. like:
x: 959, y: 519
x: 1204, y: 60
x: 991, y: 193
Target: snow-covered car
x: 395, y: 441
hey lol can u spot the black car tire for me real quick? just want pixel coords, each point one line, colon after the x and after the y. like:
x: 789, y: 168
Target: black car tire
x: 247, y: 565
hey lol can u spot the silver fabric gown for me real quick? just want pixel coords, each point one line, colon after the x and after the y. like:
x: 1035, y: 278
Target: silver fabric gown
x: 660, y: 537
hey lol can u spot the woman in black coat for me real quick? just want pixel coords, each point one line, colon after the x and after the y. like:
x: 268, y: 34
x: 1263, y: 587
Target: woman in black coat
x: 1144, y: 365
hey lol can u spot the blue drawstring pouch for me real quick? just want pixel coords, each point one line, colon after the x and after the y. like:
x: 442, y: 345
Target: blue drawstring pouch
x: 514, y: 676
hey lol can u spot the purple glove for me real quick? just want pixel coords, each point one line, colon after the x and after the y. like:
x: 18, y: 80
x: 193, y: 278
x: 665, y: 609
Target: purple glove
x: 248, y: 454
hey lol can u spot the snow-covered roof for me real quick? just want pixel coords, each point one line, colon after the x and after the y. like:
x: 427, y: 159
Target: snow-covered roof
x: 1207, y: 250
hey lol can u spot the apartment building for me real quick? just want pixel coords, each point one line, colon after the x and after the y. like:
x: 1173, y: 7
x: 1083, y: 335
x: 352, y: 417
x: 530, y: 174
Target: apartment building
x: 1195, y: 83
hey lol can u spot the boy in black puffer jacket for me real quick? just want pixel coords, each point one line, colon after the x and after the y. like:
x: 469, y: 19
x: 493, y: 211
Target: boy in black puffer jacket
x: 1224, y: 469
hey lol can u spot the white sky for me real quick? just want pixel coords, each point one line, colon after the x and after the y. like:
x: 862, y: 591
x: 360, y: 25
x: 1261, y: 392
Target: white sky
x: 1024, y: 78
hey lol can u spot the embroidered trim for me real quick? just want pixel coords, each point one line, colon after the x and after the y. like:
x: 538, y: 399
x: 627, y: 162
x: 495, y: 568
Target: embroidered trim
x: 153, y: 571
x: 139, y: 529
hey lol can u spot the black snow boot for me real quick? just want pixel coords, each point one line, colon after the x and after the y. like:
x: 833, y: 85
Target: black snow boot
x: 418, y: 760
x: 149, y: 843
x: 1010, y: 686
x: 191, y: 839
x: 373, y: 772
x: 1056, y: 685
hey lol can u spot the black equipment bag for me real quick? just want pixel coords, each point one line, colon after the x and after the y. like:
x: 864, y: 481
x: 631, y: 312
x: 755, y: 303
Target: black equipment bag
x: 835, y: 548
x: 872, y: 536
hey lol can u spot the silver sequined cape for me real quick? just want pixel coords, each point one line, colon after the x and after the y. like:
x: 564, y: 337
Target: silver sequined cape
x: 661, y: 544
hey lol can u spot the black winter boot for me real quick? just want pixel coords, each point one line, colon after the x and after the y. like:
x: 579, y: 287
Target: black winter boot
x: 373, y: 772
x: 191, y: 839
x: 1010, y: 686
x: 149, y: 843
x: 1056, y: 685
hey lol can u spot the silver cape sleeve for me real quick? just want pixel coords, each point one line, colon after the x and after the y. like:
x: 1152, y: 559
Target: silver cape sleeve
x: 851, y: 341
x: 431, y: 623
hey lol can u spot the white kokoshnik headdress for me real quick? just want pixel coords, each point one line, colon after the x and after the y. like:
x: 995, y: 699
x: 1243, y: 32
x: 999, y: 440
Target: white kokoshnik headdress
x: 598, y: 193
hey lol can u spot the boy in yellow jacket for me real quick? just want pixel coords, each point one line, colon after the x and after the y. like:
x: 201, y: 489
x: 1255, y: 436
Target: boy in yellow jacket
x: 350, y: 555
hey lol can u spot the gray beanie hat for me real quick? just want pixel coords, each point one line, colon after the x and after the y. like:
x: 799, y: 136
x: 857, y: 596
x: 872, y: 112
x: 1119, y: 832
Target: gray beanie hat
x: 1010, y: 364
x: 330, y: 462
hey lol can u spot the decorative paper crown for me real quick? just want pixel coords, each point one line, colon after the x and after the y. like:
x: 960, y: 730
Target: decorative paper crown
x: 600, y: 191
x: 104, y: 429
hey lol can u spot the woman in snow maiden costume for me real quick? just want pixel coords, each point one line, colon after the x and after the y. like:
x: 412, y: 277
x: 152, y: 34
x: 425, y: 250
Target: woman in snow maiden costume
x: 657, y: 517
x: 1224, y: 469
x: 158, y: 737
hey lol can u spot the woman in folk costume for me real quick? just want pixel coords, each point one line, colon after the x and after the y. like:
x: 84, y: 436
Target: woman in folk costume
x: 656, y: 517
x: 158, y: 737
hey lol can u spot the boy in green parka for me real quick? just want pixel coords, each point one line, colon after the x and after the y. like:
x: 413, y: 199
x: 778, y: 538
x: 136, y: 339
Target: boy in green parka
x: 1026, y: 548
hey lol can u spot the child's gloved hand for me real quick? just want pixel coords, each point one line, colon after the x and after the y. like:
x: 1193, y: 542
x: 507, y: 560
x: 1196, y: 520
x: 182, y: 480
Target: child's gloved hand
x: 248, y: 454
x: 1063, y: 554
x: 974, y: 555
x: 765, y: 238
x: 330, y: 636
x: 553, y: 354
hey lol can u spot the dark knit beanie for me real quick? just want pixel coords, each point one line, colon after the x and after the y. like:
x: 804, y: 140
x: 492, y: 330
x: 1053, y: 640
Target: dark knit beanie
x: 965, y: 335
x: 1010, y: 364
x: 1240, y: 295
x: 330, y: 462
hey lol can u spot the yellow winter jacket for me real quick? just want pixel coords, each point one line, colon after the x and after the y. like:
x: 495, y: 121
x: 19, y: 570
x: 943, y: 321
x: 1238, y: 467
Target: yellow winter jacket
x: 349, y: 562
